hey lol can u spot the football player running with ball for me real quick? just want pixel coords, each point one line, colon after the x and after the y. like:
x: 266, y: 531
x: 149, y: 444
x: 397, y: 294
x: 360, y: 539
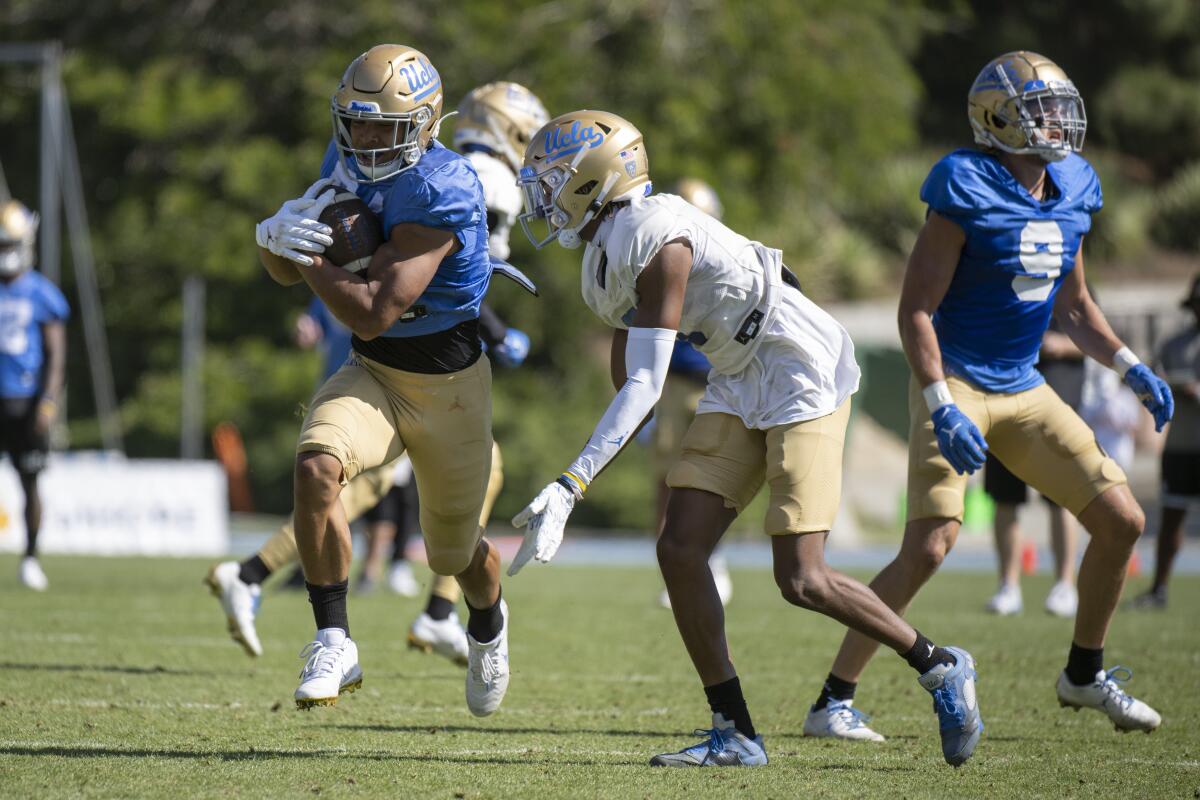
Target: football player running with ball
x: 1000, y: 253
x: 775, y: 408
x: 417, y: 381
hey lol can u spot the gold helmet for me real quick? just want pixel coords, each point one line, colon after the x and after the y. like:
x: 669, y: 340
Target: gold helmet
x: 1023, y: 102
x: 701, y: 195
x: 502, y: 117
x: 18, y: 234
x: 389, y: 84
x: 576, y: 165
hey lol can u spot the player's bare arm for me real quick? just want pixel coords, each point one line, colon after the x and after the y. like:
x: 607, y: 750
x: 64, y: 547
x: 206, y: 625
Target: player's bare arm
x: 927, y: 277
x: 399, y: 272
x: 54, y: 342
x: 281, y: 270
x: 1081, y: 319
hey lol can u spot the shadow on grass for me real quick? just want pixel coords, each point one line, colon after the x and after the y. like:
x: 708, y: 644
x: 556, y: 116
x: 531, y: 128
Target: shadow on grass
x: 268, y: 754
x: 436, y: 729
x: 156, y: 669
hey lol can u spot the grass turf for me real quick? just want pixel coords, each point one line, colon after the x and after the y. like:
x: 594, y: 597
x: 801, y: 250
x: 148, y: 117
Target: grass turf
x: 120, y: 682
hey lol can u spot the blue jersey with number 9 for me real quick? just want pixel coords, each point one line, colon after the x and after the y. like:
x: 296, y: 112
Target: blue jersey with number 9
x: 1018, y: 251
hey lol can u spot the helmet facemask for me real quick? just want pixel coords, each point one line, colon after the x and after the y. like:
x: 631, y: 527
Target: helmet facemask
x: 406, y: 134
x: 1048, y: 114
x: 542, y: 192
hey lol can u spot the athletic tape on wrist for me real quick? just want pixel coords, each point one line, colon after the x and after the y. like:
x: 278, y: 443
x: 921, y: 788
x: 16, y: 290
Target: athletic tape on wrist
x: 1124, y: 360
x: 573, y: 484
x: 937, y: 394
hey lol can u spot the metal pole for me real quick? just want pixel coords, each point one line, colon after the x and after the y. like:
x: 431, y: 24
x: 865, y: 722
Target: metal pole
x: 85, y: 283
x: 49, y: 260
x: 191, y: 409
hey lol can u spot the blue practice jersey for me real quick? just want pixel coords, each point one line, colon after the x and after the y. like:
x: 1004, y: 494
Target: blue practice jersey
x: 335, y: 338
x: 27, y: 303
x: 1017, y: 253
x: 441, y: 191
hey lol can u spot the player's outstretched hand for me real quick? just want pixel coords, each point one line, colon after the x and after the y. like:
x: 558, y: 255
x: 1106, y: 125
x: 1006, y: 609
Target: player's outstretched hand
x: 294, y: 229
x: 1154, y: 393
x: 543, y: 520
x: 959, y: 439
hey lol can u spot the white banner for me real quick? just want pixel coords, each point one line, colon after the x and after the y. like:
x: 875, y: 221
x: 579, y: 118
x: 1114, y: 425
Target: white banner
x: 107, y: 505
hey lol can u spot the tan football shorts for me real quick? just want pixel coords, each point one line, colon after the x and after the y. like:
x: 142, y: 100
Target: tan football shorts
x: 800, y: 462
x: 367, y: 414
x: 1036, y: 435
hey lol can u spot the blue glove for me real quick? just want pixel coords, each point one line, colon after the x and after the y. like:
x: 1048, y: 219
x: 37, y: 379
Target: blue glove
x: 959, y: 440
x: 513, y: 350
x: 1153, y: 392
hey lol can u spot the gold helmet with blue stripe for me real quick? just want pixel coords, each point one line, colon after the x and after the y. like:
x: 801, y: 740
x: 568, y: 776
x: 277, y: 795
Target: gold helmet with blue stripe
x: 502, y: 117
x: 18, y: 235
x: 576, y: 165
x: 1024, y: 103
x: 392, y: 86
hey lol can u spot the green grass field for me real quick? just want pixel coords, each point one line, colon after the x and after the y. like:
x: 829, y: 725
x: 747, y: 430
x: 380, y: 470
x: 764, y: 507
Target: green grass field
x: 120, y: 682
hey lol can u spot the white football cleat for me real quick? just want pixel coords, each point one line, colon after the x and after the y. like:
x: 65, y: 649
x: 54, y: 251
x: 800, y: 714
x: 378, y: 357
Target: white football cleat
x: 1006, y: 601
x: 330, y: 668
x: 446, y: 637
x: 30, y: 573
x: 240, y: 601
x: 1105, y: 694
x: 402, y: 581
x: 721, y: 577
x: 1063, y: 600
x: 840, y: 720
x: 723, y: 746
x: 487, y: 670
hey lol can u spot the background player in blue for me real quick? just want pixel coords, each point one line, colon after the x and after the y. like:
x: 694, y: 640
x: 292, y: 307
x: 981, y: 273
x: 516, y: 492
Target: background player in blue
x: 417, y: 382
x: 32, y: 357
x: 1000, y: 252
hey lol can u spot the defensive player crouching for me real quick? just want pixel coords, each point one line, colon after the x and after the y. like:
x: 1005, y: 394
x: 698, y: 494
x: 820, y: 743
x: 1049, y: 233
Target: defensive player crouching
x: 1002, y: 250
x: 776, y: 407
x: 417, y: 382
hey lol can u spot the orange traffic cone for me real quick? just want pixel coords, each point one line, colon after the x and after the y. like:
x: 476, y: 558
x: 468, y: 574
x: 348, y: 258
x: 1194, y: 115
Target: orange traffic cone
x: 1134, y: 568
x: 1029, y: 558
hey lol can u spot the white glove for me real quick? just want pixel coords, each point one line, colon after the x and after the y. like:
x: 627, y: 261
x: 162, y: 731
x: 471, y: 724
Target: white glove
x: 294, y: 228
x: 543, y: 520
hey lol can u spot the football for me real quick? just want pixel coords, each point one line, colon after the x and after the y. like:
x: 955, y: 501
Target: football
x: 357, y: 232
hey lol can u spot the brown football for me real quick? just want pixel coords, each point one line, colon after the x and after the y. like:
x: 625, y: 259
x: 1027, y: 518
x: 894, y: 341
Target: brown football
x: 357, y: 232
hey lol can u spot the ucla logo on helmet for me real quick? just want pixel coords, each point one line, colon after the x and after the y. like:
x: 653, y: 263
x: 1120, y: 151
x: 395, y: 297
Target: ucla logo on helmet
x: 421, y: 77
x: 560, y: 143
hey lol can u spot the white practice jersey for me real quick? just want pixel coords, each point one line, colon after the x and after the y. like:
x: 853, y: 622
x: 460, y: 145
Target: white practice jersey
x: 777, y: 357
x: 502, y: 197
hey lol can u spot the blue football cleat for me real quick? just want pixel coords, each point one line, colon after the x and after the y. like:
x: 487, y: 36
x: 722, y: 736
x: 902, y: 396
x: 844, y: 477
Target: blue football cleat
x: 723, y: 746
x: 953, y: 690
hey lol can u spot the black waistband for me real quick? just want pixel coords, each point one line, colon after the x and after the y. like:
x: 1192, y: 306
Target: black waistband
x: 439, y: 353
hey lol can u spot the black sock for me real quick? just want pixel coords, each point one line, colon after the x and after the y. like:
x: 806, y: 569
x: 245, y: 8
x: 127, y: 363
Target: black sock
x: 925, y: 655
x: 254, y: 570
x: 31, y: 537
x: 484, y: 624
x: 726, y: 699
x: 1083, y: 664
x: 835, y: 689
x: 329, y: 605
x: 439, y: 608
